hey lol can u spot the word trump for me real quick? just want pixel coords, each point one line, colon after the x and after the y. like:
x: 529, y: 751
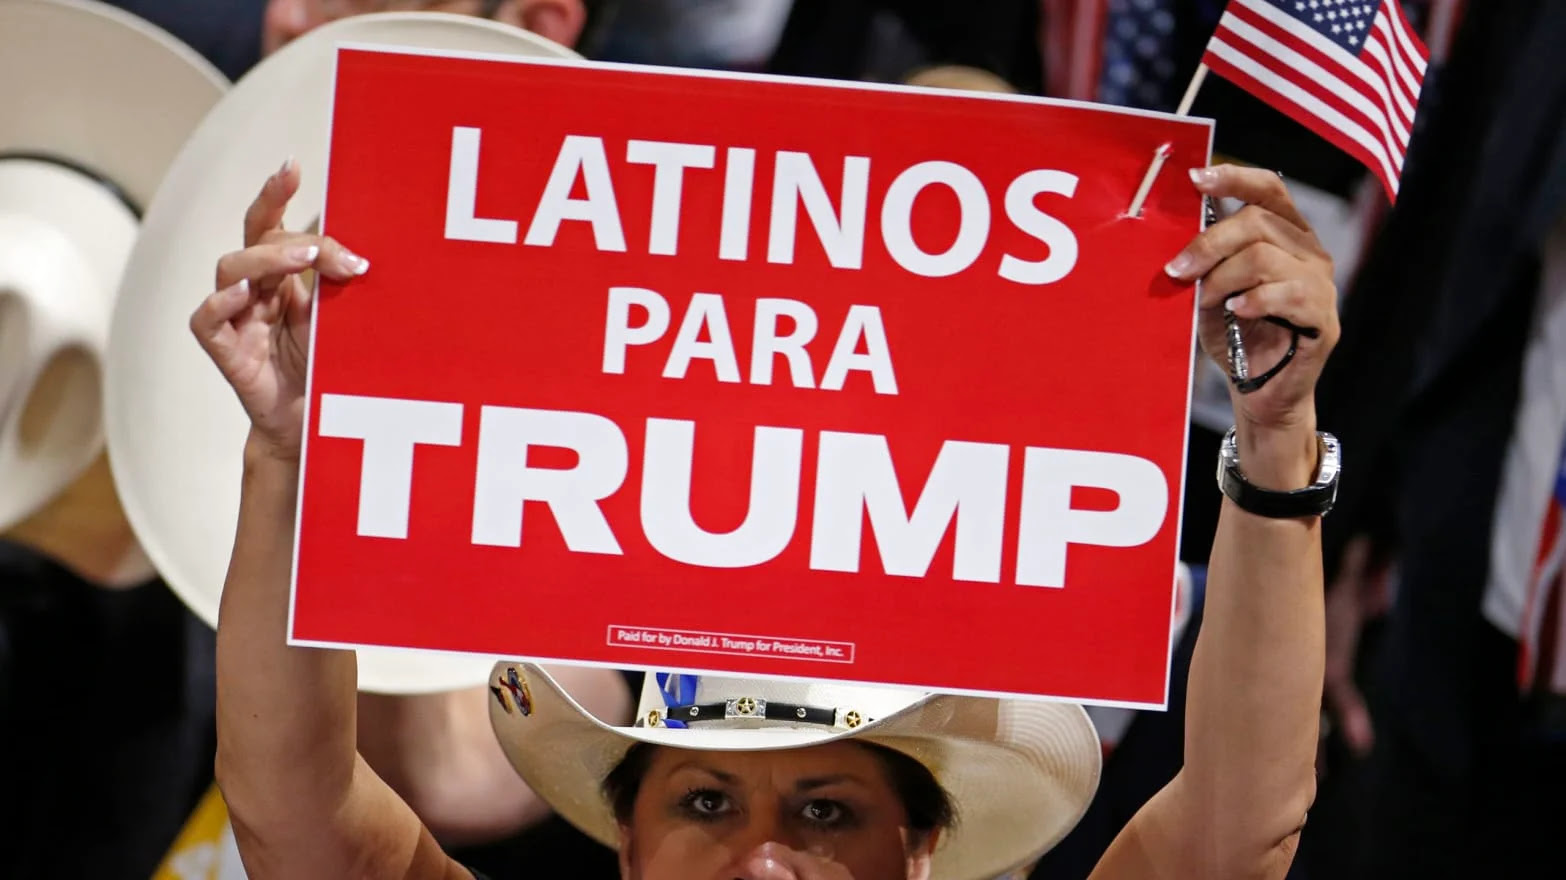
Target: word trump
x: 855, y: 480
x: 583, y: 162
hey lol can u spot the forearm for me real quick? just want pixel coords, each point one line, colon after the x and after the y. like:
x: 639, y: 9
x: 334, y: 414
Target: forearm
x: 439, y: 752
x: 1253, y: 704
x: 285, y: 714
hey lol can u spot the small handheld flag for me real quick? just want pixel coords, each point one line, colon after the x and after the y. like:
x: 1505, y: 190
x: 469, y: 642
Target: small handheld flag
x: 1349, y: 70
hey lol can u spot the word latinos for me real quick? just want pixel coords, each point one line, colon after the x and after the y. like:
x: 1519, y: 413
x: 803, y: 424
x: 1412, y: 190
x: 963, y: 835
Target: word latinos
x: 796, y: 184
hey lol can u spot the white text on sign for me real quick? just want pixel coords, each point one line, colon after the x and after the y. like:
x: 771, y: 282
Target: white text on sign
x: 966, y: 489
x: 706, y: 316
x: 796, y: 183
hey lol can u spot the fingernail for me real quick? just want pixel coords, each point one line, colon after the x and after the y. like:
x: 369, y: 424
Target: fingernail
x: 1179, y: 266
x: 1204, y: 176
x: 238, y: 290
x: 1234, y: 302
x: 288, y: 165
x: 353, y: 263
x: 303, y: 254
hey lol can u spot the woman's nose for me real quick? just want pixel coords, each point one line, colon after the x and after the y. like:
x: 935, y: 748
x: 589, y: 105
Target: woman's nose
x: 775, y: 861
x: 762, y: 851
x: 763, y: 863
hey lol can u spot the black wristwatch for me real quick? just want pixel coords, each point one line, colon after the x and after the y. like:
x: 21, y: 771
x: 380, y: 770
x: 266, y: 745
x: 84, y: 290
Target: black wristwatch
x: 1313, y: 500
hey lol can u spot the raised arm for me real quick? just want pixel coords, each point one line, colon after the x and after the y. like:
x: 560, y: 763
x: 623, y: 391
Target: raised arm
x: 1253, y: 706
x: 302, y: 802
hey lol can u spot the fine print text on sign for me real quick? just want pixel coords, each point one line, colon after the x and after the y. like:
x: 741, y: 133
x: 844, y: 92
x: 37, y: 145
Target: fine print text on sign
x: 720, y: 373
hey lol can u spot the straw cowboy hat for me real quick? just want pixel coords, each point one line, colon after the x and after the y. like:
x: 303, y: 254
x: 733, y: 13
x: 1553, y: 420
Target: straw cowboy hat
x: 1020, y: 773
x: 174, y: 426
x: 83, y: 145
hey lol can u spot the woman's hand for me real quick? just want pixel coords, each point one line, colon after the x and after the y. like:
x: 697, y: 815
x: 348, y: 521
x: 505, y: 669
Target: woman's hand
x: 256, y: 327
x: 1265, y: 262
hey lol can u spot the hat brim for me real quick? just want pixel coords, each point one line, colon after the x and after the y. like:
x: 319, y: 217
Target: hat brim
x: 1020, y: 773
x: 175, y: 429
x: 84, y: 145
x: 123, y: 121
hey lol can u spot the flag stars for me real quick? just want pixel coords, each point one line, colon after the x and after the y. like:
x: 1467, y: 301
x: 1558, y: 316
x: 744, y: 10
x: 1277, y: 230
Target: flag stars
x: 1337, y: 28
x: 1320, y: 17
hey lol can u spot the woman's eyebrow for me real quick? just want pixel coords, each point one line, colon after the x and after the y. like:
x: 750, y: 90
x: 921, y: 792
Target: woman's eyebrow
x: 813, y: 782
x: 698, y: 767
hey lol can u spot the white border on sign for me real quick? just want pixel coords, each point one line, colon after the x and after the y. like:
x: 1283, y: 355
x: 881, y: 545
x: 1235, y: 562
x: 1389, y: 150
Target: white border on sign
x: 315, y: 305
x: 1185, y: 453
x: 728, y: 673
x: 1033, y: 100
x: 700, y: 73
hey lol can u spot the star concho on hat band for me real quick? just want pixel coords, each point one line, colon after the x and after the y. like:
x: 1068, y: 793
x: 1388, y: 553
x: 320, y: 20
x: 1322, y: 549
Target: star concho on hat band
x: 752, y: 709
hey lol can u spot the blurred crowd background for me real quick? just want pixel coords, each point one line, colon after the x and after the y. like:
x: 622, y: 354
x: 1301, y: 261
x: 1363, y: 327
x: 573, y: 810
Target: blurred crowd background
x: 1444, y: 744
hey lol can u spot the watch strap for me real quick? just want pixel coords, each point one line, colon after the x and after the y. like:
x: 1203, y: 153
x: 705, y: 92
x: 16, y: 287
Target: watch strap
x: 1313, y: 500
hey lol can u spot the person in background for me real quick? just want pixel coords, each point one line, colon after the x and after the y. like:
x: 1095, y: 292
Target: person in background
x: 559, y: 20
x: 88, y: 631
x: 227, y: 32
x: 871, y: 40
x: 1451, y: 383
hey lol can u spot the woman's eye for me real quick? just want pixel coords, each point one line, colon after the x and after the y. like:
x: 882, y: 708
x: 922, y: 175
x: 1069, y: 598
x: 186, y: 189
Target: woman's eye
x: 705, y: 803
x: 823, y: 812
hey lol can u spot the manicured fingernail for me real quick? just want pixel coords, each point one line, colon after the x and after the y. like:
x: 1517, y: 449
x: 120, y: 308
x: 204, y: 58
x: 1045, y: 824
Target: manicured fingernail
x: 1180, y: 266
x: 1234, y: 302
x: 303, y: 254
x: 353, y: 263
x: 1204, y: 176
x: 288, y: 165
x: 238, y: 290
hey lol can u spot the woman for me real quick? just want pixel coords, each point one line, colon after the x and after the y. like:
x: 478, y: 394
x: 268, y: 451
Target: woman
x: 727, y: 778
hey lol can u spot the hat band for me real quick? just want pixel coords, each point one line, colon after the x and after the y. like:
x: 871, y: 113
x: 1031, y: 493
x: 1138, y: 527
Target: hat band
x: 76, y: 167
x: 751, y: 709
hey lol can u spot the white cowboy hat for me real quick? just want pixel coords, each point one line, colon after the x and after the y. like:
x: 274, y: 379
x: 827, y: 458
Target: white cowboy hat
x: 175, y: 429
x: 83, y: 144
x: 1020, y: 773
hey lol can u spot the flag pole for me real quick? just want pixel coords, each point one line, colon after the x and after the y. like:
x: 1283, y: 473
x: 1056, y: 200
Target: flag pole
x: 1191, y: 90
x: 1162, y: 154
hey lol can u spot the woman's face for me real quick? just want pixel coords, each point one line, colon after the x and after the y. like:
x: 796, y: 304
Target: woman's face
x: 826, y: 812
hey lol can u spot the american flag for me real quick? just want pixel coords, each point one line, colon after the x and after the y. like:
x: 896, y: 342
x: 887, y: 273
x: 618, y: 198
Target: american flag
x: 1350, y: 70
x: 1541, y: 658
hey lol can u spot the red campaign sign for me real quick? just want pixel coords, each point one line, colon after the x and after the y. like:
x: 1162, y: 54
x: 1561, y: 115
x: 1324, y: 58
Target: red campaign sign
x: 679, y: 370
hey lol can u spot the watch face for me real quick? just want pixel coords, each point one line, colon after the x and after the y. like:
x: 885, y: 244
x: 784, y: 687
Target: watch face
x: 1331, y: 460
